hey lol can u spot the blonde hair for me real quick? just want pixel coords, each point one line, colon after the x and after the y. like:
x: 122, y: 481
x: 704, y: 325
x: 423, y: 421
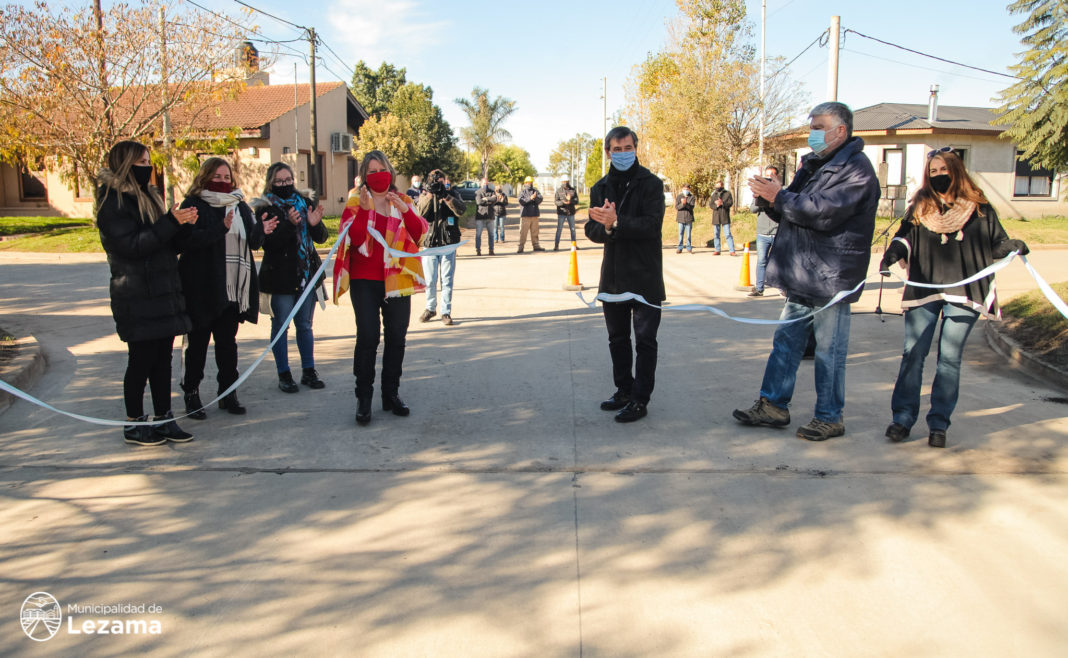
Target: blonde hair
x: 381, y: 157
x: 121, y: 158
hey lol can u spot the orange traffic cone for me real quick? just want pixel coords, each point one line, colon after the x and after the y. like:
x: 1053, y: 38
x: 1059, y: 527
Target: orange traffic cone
x: 744, y: 282
x: 572, y: 271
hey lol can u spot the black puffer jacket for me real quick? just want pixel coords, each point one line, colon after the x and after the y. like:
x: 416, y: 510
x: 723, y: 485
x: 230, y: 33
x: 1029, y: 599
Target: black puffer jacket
x: 202, y: 263
x: 146, y: 291
x: 566, y: 200
x: 530, y: 199
x: 280, y: 271
x: 633, y: 258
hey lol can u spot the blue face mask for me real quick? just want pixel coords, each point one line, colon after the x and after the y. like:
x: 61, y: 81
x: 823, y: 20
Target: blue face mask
x: 623, y: 160
x: 816, y: 140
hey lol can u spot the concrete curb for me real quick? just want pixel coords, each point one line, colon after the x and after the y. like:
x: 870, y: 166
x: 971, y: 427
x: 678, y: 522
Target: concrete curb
x: 1020, y: 359
x: 24, y: 370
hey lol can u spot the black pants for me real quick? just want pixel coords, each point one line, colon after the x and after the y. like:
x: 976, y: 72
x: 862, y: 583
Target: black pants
x: 618, y: 316
x: 149, y: 361
x: 368, y: 301
x: 224, y: 329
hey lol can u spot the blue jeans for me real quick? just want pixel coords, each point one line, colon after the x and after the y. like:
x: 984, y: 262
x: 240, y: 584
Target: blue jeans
x: 920, y: 322
x: 500, y: 228
x: 430, y: 268
x: 763, y: 247
x: 560, y: 219
x: 281, y: 306
x: 686, y: 232
x: 831, y: 328
x: 484, y: 225
x: 730, y: 238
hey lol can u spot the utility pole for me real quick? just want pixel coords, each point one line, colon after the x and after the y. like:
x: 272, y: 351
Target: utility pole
x: 832, y: 70
x: 763, y: 34
x: 167, y: 169
x: 313, y: 168
x: 604, y: 124
x: 102, y: 67
x: 296, y: 121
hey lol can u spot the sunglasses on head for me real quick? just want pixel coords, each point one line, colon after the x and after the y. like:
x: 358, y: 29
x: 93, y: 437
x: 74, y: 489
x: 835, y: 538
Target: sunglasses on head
x: 944, y: 149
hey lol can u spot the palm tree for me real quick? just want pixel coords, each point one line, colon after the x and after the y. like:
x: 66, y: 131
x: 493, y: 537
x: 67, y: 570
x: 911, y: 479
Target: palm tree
x: 486, y: 116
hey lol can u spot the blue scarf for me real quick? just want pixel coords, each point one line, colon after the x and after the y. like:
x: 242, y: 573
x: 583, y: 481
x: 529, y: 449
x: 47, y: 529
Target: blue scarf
x: 304, y: 241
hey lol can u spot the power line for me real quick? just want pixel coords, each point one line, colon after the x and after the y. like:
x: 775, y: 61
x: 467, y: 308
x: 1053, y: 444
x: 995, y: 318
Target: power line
x: 280, y: 20
x: 818, y: 39
x: 337, y: 57
x: 925, y: 68
x: 922, y: 54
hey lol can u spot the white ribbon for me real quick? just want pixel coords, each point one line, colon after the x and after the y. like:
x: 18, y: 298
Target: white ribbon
x: 397, y: 253
x: 240, y: 380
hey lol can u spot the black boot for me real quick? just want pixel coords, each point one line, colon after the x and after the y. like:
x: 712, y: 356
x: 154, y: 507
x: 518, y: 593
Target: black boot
x: 286, y: 383
x: 170, y: 430
x: 231, y: 404
x: 392, y: 402
x: 363, y: 410
x: 310, y: 378
x: 194, y: 408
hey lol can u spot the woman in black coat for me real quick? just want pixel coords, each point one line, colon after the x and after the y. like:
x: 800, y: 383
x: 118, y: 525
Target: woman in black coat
x: 289, y: 261
x: 218, y: 278
x: 138, y: 235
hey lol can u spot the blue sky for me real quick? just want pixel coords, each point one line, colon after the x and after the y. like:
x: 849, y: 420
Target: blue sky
x: 550, y: 56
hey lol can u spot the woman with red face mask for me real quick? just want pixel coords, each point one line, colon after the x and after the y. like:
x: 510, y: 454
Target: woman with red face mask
x: 949, y: 233
x: 218, y: 279
x: 381, y: 283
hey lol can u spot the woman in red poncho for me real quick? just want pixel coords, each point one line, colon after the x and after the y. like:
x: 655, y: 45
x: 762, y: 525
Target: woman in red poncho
x: 381, y: 283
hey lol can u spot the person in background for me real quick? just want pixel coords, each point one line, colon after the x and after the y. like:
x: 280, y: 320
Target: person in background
x: 823, y: 246
x: 566, y: 200
x: 500, y: 208
x: 289, y: 261
x: 138, y: 236
x: 218, y: 278
x: 486, y: 202
x: 721, y: 203
x: 529, y: 198
x: 627, y: 217
x: 416, y: 188
x: 684, y: 204
x: 766, y: 227
x: 441, y: 207
x: 950, y: 232
x: 382, y: 284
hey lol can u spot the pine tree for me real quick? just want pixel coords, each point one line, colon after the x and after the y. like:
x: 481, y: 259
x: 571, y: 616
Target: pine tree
x: 1036, y: 107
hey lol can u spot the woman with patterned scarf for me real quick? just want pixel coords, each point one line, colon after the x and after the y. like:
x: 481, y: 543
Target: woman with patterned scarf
x: 218, y: 279
x: 382, y: 284
x: 949, y: 233
x: 289, y: 261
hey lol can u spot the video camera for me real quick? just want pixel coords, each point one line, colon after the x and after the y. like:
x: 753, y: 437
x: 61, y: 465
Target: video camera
x: 436, y: 184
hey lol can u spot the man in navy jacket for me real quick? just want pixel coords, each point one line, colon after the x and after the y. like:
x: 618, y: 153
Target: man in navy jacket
x: 826, y: 221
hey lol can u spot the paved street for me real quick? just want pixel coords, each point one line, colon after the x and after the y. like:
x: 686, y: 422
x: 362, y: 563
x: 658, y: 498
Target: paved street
x: 509, y: 516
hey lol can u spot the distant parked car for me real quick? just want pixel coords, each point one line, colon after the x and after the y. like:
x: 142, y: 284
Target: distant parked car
x: 467, y: 189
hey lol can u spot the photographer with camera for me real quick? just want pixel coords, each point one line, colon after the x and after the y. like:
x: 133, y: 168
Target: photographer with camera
x: 566, y: 200
x: 766, y: 227
x: 442, y: 208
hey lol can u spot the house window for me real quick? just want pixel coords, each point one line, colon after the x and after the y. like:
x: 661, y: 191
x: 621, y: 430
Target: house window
x: 895, y: 166
x: 1031, y: 180
x: 31, y: 186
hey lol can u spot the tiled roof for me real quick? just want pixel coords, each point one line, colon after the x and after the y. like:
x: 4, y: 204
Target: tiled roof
x: 258, y: 105
x: 911, y: 116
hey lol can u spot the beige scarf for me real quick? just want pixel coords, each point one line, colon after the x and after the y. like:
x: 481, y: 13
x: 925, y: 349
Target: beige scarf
x: 950, y: 221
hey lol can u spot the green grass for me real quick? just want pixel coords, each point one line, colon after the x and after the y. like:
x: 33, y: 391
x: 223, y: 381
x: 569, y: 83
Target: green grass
x: 1046, y: 230
x: 1033, y: 321
x: 65, y: 240
x: 18, y: 225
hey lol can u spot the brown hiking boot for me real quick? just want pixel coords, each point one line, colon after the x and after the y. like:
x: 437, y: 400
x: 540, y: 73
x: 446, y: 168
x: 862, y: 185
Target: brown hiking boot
x: 763, y: 413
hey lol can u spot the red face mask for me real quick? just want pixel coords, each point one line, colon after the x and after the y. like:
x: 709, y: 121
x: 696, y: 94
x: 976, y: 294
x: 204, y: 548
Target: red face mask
x: 379, y: 181
x: 219, y: 186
